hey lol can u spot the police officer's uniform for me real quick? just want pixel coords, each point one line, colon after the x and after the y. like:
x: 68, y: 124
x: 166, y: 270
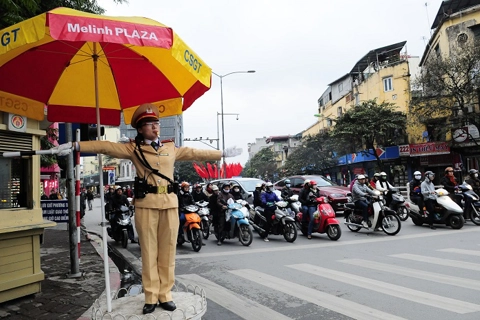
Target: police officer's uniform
x: 156, y: 215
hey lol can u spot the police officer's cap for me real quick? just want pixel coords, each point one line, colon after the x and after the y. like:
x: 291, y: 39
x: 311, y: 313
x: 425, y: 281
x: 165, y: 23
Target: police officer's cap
x: 145, y: 111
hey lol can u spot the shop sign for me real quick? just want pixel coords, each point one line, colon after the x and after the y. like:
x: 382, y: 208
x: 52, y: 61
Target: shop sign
x: 55, y: 210
x: 427, y: 149
x: 404, y: 150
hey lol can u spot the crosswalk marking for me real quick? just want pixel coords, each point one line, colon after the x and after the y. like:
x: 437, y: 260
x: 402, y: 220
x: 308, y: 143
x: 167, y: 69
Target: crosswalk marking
x: 322, y: 299
x: 414, y: 273
x: 439, y: 261
x: 462, y: 251
x: 235, y: 303
x: 396, y: 291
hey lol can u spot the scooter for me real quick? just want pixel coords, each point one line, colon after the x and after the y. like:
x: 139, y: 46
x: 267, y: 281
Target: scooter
x: 398, y: 204
x: 204, y: 214
x: 191, y: 231
x: 447, y: 212
x: 294, y: 205
x: 236, y: 223
x: 380, y: 216
x: 324, y: 220
x: 282, y: 222
x: 120, y: 221
x: 472, y: 211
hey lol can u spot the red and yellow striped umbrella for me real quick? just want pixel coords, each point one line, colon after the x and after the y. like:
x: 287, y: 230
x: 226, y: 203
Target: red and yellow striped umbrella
x: 87, y: 67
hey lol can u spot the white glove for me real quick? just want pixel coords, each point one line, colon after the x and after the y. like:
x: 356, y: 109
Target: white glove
x: 232, y: 152
x: 63, y: 149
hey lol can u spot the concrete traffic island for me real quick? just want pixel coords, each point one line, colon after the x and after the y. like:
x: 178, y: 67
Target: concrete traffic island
x: 191, y: 304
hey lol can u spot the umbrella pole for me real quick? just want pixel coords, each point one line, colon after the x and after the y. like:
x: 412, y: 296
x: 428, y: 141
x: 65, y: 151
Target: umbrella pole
x: 102, y: 193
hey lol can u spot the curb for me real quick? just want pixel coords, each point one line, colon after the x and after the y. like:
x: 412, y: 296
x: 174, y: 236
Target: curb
x: 115, y: 275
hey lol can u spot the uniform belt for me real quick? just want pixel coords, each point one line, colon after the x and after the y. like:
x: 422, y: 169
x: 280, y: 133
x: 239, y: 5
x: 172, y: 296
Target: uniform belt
x: 158, y: 189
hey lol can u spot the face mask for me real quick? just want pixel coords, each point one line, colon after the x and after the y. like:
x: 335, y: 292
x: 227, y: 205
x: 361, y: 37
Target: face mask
x: 236, y: 189
x: 226, y: 190
x: 384, y: 178
x: 476, y: 175
x: 288, y: 185
x: 418, y: 177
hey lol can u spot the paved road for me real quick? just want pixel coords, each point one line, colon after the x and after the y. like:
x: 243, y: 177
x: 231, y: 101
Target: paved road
x: 417, y: 274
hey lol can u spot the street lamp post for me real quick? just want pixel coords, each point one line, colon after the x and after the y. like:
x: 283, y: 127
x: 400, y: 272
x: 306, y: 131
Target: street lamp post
x: 221, y: 106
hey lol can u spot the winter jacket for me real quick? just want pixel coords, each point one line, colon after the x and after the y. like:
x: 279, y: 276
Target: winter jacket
x: 199, y: 196
x: 383, y: 185
x: 184, y: 199
x: 415, y: 187
x: 308, y: 198
x: 448, y: 185
x: 427, y: 189
x: 286, y: 192
x: 222, y: 200
x: 360, y: 191
x: 268, y: 199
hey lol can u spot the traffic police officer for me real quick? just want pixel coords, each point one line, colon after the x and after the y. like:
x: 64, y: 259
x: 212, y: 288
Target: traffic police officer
x: 156, y: 215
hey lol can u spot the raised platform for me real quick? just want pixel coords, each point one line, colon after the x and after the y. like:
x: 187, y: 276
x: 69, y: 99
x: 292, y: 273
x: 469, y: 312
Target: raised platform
x: 191, y: 304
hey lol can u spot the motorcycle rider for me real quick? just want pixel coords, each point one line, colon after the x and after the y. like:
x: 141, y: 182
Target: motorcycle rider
x: 212, y: 205
x: 185, y: 198
x: 429, y: 196
x: 222, y: 202
x: 208, y: 190
x: 286, y: 191
x: 308, y: 198
x: 257, y: 201
x: 416, y: 190
x: 268, y: 200
x: 385, y: 187
x: 375, y: 179
x: 117, y: 201
x: 198, y: 194
x: 472, y: 179
x: 449, y: 182
x: 237, y: 195
x: 359, y: 192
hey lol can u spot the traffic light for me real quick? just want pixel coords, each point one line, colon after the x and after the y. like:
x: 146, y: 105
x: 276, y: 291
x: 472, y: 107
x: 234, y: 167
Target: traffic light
x: 89, y: 132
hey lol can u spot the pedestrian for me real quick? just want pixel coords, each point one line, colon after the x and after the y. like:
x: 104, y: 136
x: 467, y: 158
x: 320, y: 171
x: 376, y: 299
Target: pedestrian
x: 83, y: 207
x: 156, y: 202
x: 90, y: 199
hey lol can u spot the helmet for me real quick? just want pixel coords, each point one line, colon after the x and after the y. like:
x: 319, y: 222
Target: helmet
x: 185, y: 184
x: 269, y: 184
x: 417, y: 175
x: 234, y: 184
x: 313, y: 184
x: 447, y: 169
x: 429, y: 174
x: 383, y: 173
x: 287, y: 181
x: 376, y: 174
x: 258, y: 185
x: 306, y: 182
x: 471, y: 172
x: 197, y: 185
x: 214, y: 188
x: 360, y: 176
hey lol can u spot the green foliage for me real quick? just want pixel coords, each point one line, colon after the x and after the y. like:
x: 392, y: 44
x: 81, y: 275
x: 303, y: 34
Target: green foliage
x: 14, y: 11
x: 184, y: 171
x: 367, y: 126
x: 45, y: 144
x: 314, y: 155
x: 448, y: 86
x: 262, y: 166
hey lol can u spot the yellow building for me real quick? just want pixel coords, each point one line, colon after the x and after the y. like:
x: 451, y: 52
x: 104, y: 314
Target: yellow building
x: 20, y: 211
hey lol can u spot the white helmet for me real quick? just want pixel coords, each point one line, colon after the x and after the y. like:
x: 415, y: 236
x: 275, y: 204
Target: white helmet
x: 258, y: 185
x: 417, y: 175
x: 383, y: 173
x: 360, y: 176
x: 269, y: 184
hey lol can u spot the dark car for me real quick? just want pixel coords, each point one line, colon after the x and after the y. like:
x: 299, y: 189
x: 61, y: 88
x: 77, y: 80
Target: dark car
x: 247, y: 186
x: 337, y: 195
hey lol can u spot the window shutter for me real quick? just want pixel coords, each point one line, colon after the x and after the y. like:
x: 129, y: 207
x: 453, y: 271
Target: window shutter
x: 15, y: 141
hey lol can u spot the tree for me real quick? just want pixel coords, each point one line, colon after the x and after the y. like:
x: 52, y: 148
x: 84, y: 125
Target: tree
x: 14, y: 11
x: 367, y: 126
x: 314, y: 155
x: 262, y: 165
x: 448, y: 88
x: 47, y: 160
x: 184, y: 171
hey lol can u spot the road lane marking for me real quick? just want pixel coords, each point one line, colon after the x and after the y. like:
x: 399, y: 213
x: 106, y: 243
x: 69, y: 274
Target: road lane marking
x: 462, y: 251
x: 439, y: 261
x: 416, y: 273
x: 322, y: 299
x: 241, y: 306
x: 386, y: 288
x: 313, y: 246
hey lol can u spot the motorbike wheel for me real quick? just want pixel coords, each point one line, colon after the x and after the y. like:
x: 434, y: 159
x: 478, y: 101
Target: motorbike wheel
x: 417, y: 221
x: 334, y: 232
x: 125, y: 238
x: 205, y: 229
x: 391, y: 225
x: 456, y: 222
x: 403, y: 213
x: 245, y: 235
x: 196, y: 240
x: 475, y: 215
x: 350, y: 227
x: 290, y: 232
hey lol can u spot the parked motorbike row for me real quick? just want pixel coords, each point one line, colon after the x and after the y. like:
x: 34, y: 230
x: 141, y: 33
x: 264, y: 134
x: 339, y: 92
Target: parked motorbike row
x: 120, y: 222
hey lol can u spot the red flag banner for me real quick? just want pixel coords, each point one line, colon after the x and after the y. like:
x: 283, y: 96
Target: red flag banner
x: 210, y: 170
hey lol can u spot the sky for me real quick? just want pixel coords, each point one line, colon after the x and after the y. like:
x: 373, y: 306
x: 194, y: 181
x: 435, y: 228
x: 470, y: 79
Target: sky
x: 295, y: 47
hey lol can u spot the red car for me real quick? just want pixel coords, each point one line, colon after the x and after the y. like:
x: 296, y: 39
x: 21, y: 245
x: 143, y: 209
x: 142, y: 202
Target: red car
x: 337, y: 195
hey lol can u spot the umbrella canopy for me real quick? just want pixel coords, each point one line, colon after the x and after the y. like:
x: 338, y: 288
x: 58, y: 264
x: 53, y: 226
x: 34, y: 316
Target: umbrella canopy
x: 51, y: 59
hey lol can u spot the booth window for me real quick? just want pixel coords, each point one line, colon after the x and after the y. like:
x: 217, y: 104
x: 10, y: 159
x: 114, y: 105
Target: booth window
x: 14, y: 183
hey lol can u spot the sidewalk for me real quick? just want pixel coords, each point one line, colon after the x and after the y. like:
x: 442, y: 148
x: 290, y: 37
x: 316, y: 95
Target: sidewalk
x: 63, y: 298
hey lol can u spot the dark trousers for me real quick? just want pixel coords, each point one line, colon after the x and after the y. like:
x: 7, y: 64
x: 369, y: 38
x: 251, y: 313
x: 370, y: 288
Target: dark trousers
x: 267, y: 213
x: 220, y: 222
x: 430, y: 205
x: 363, y: 205
x: 418, y: 200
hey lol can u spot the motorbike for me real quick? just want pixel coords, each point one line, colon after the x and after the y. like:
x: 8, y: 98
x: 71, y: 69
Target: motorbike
x: 282, y: 222
x: 447, y: 212
x: 191, y: 231
x: 380, y: 216
x: 294, y: 205
x: 469, y: 196
x: 120, y: 221
x: 236, y: 223
x: 204, y: 214
x: 398, y: 204
x: 324, y: 220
